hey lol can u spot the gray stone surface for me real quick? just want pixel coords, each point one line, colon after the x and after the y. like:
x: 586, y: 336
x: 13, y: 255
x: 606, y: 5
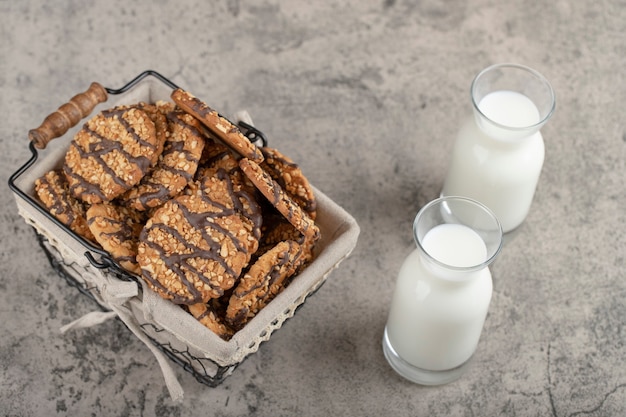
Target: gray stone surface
x: 366, y: 96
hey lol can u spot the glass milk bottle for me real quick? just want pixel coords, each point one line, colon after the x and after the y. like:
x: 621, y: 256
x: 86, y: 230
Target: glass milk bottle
x: 499, y: 152
x: 443, y: 291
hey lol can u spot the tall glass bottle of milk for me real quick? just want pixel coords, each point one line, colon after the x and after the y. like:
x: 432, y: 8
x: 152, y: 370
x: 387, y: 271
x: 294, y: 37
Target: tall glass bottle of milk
x: 499, y: 152
x: 443, y: 291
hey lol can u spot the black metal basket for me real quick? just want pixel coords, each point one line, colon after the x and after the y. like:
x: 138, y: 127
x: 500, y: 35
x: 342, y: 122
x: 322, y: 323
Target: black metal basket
x: 84, y: 265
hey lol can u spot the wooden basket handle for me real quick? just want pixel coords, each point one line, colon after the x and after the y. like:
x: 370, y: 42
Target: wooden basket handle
x: 68, y: 115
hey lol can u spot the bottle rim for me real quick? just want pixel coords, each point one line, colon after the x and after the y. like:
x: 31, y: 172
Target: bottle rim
x: 497, y: 229
x: 535, y: 73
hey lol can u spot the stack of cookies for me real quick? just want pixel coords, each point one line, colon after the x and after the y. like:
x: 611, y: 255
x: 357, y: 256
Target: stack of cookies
x: 179, y: 196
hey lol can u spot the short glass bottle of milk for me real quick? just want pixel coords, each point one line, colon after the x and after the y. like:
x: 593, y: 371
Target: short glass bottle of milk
x: 499, y: 152
x: 443, y: 291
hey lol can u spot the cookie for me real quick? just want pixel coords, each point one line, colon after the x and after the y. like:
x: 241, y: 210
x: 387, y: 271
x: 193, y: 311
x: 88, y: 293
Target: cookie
x: 277, y: 229
x: 274, y: 193
x: 195, y: 246
x: 220, y: 185
x: 218, y: 125
x: 207, y: 315
x: 110, y: 154
x: 53, y: 191
x: 212, y: 148
x: 176, y: 166
x: 262, y: 282
x: 290, y: 177
x: 117, y: 229
x: 156, y: 112
x: 218, y: 158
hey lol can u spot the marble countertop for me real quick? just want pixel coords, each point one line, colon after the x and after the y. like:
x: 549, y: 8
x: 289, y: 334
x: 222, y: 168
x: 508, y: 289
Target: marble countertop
x: 367, y: 97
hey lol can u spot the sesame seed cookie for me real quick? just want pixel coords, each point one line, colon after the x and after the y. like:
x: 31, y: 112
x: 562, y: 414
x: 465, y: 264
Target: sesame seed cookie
x: 218, y: 158
x: 117, y: 228
x: 206, y: 314
x: 195, y: 246
x: 219, y: 183
x: 177, y: 164
x: 277, y: 229
x: 274, y: 193
x: 262, y: 282
x: 218, y: 125
x: 157, y: 112
x: 110, y: 154
x: 53, y: 191
x: 290, y: 177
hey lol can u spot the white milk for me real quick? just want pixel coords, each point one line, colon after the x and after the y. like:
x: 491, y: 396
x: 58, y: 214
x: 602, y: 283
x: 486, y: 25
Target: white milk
x: 509, y: 108
x: 434, y: 324
x: 492, y: 166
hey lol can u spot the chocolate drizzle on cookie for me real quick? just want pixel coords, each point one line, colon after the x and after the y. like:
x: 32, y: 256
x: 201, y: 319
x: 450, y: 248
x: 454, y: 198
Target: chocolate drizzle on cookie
x: 289, y: 176
x: 285, y: 205
x: 53, y: 191
x: 99, y: 165
x: 218, y: 125
x: 264, y: 280
x: 176, y: 165
x: 57, y: 196
x: 118, y: 114
x: 206, y: 249
x: 116, y: 229
x: 243, y: 202
x: 177, y: 116
x: 179, y: 261
x: 153, y: 191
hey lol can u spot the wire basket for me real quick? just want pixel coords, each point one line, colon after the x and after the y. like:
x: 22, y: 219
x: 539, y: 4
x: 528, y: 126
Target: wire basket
x: 166, y: 326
